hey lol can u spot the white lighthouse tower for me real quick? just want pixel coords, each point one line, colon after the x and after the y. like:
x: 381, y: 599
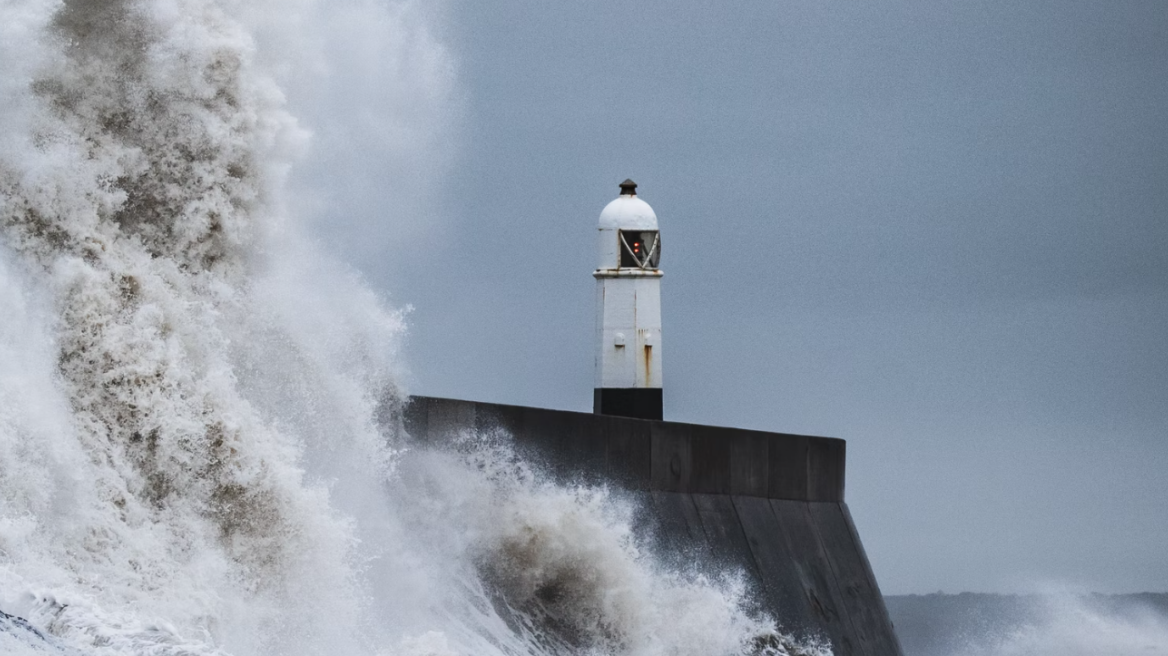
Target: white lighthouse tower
x: 628, y: 309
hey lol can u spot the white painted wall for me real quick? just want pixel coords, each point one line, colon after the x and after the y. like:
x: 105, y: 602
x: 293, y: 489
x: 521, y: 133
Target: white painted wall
x: 628, y: 303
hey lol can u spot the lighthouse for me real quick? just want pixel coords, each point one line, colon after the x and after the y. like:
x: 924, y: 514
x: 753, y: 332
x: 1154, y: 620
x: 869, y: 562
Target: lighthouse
x: 628, y: 309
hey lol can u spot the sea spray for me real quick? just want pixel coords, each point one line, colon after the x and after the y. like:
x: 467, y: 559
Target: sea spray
x: 138, y: 196
x: 1068, y: 625
x: 557, y: 568
x: 200, y: 450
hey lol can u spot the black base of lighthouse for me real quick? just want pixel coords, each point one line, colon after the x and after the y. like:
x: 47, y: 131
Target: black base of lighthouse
x: 636, y: 402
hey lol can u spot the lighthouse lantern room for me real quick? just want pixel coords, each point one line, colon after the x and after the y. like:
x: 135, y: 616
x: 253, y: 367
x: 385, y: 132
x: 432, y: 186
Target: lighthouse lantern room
x: 628, y: 309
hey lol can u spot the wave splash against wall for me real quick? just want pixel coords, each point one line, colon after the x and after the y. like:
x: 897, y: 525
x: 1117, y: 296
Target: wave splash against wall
x: 194, y: 451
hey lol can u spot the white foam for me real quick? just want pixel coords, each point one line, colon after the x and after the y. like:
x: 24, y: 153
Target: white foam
x: 198, y: 452
x: 1065, y: 625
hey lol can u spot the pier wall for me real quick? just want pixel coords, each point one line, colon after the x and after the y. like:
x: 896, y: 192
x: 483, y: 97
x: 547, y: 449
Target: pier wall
x: 770, y: 504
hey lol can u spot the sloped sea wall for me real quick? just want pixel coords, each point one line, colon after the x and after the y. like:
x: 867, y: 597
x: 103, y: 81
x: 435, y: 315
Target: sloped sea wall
x: 770, y: 504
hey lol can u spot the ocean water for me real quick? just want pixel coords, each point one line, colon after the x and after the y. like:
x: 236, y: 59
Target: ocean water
x: 1051, y: 624
x: 200, y: 450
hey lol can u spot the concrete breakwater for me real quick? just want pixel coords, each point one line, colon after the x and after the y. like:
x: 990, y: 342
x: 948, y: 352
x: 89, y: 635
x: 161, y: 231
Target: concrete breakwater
x: 770, y: 504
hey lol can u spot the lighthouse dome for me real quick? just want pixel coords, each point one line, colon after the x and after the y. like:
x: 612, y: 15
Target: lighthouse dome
x: 628, y: 212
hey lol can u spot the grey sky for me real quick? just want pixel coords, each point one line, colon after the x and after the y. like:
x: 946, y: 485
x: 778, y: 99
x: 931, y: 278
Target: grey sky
x: 938, y: 230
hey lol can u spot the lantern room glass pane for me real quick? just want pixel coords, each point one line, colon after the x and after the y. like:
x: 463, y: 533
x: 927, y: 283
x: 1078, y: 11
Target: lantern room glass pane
x: 653, y: 245
x: 640, y: 249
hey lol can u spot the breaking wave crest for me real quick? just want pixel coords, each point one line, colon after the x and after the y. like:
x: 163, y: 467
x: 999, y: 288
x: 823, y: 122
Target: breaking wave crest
x: 1066, y: 625
x: 200, y: 450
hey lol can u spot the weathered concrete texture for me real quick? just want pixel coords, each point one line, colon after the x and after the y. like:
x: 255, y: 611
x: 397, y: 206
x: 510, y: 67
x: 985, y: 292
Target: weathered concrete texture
x: 650, y: 455
x: 768, y: 504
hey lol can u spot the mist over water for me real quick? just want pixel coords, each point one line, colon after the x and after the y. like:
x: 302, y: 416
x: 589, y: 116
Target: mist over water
x: 1068, y: 627
x: 1061, y: 624
x: 200, y: 450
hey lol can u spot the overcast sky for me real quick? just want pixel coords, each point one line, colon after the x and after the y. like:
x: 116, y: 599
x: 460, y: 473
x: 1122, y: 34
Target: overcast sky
x: 937, y: 230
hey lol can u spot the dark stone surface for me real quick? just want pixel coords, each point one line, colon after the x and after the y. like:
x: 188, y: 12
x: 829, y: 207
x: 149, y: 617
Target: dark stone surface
x: 776, y: 565
x: 749, y: 462
x: 769, y: 505
x: 853, y: 574
x: 649, y: 455
x: 637, y: 402
x: 825, y: 470
x: 671, y: 463
x: 628, y: 457
x: 710, y: 459
x: 724, y: 537
x: 787, y: 469
x: 680, y: 525
x: 813, y: 565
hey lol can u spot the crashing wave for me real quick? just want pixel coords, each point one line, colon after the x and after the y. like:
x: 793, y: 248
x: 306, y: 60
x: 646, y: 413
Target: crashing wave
x: 199, y: 451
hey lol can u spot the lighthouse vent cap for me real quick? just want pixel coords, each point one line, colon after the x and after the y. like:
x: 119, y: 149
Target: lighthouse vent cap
x: 627, y: 212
